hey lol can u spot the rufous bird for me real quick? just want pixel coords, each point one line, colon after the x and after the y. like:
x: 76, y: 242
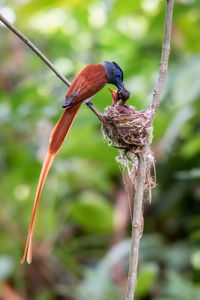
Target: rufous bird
x: 86, y: 84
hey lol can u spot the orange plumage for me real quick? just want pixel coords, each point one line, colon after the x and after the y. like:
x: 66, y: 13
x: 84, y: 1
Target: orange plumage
x: 87, y: 83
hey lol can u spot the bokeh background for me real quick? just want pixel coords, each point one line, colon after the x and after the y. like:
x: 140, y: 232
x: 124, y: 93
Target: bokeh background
x: 83, y: 223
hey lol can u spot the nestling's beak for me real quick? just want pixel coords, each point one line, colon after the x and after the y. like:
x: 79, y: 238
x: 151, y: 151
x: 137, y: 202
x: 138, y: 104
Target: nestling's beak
x: 114, y: 96
x: 123, y: 94
x: 113, y: 92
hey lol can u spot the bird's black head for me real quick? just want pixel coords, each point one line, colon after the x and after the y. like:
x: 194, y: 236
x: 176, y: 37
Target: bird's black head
x: 114, y: 73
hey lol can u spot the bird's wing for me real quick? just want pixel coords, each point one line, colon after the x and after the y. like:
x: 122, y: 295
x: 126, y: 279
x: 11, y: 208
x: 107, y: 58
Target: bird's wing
x: 87, y: 83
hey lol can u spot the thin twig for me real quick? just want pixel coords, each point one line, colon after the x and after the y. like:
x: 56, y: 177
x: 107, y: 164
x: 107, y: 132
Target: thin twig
x: 137, y: 223
x: 95, y: 111
x: 164, y: 55
x: 45, y: 59
x: 137, y: 229
x: 34, y: 48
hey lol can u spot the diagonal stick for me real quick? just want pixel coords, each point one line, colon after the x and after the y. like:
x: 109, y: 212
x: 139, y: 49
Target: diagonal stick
x: 45, y: 59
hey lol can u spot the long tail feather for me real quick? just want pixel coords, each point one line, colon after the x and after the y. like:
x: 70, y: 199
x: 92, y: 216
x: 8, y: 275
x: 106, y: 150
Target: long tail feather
x: 62, y: 128
x: 57, y: 137
x: 45, y: 168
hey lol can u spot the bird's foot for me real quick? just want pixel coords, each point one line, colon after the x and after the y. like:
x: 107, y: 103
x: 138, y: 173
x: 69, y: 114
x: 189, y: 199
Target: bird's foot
x: 92, y: 107
x: 90, y: 104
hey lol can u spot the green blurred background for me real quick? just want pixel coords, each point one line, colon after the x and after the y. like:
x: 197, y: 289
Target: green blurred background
x: 83, y: 222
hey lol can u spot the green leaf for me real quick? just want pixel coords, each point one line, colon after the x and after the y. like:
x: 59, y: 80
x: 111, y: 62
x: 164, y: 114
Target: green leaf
x: 147, y: 276
x: 93, y: 212
x: 191, y: 148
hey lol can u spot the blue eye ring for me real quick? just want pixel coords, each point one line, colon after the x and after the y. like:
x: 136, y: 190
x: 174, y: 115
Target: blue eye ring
x: 118, y: 76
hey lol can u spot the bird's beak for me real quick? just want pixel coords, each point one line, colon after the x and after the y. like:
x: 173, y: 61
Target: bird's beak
x: 113, y: 92
x: 120, y: 86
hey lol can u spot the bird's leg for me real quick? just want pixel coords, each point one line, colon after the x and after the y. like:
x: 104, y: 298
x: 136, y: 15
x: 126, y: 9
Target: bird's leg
x: 89, y: 103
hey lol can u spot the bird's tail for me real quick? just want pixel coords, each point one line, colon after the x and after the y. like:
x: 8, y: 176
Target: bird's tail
x: 57, y: 137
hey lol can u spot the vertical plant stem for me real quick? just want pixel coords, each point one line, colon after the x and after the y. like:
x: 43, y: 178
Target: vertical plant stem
x: 164, y: 55
x: 137, y: 224
x: 137, y: 229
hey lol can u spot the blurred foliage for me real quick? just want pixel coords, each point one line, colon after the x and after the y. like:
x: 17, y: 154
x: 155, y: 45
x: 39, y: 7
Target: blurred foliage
x: 83, y: 227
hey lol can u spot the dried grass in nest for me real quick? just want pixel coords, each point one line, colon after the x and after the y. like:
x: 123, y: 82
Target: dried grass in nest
x: 131, y: 132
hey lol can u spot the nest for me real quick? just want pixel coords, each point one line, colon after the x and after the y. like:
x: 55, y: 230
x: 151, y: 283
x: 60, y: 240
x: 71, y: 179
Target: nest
x: 130, y: 131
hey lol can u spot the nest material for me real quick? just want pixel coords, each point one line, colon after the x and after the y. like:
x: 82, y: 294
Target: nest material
x: 131, y: 132
x: 128, y: 128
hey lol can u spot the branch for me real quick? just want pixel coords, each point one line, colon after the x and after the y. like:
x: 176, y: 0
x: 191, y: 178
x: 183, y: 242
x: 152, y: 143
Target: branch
x: 164, y: 55
x: 44, y: 58
x: 137, y: 229
x: 137, y: 223
x: 35, y: 49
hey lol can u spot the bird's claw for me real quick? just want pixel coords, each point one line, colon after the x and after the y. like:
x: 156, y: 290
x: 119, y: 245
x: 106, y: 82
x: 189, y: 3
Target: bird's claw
x: 89, y: 103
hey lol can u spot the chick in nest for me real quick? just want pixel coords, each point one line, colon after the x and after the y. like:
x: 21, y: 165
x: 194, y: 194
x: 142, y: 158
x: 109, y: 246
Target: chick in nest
x: 117, y: 95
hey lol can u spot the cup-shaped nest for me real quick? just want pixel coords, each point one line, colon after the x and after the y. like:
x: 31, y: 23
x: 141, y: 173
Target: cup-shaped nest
x: 128, y: 128
x: 131, y: 130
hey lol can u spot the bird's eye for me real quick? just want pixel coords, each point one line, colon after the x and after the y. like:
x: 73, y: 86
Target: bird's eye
x: 118, y: 75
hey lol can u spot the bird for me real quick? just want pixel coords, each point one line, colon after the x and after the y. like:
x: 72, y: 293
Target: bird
x: 87, y: 83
